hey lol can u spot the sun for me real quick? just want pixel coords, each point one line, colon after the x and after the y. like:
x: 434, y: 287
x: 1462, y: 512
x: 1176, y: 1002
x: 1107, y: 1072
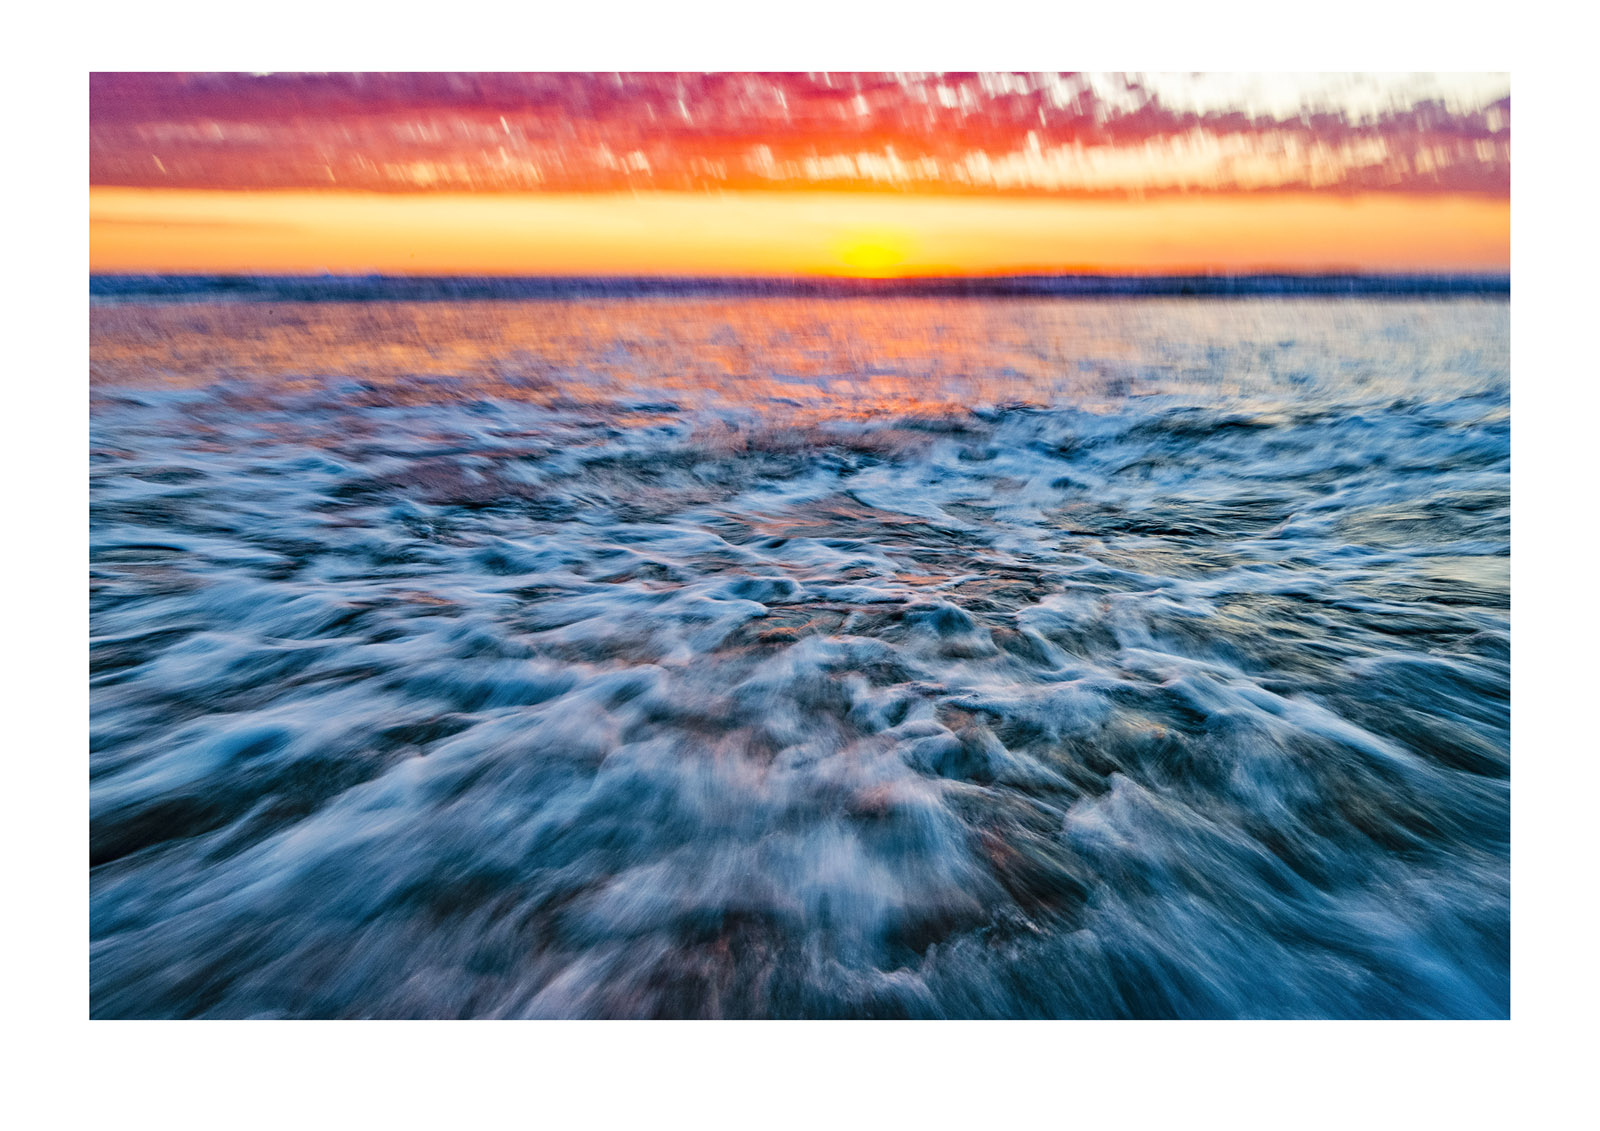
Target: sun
x: 874, y: 254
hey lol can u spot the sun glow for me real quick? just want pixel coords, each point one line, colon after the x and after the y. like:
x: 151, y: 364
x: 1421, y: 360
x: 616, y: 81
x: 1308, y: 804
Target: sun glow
x: 875, y: 254
x: 781, y: 233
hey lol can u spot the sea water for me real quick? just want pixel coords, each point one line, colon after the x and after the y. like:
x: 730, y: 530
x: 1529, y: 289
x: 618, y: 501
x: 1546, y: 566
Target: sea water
x: 765, y: 656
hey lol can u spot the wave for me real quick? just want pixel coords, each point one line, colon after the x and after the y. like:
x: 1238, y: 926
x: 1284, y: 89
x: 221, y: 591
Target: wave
x: 420, y: 697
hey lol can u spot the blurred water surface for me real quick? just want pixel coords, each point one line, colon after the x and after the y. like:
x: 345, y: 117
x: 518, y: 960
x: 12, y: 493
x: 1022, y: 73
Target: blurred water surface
x: 789, y: 657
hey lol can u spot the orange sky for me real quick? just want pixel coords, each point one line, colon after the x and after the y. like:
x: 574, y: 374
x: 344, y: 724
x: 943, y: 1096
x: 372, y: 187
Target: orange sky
x: 894, y: 173
x: 807, y: 232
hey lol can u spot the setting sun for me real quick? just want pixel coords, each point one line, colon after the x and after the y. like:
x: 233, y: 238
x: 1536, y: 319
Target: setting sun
x: 874, y: 254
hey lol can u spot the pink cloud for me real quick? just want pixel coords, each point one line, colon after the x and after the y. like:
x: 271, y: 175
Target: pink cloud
x: 1060, y: 134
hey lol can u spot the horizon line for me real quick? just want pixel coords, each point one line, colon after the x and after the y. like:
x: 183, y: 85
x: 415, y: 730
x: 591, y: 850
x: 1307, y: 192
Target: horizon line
x: 1333, y: 272
x: 373, y: 287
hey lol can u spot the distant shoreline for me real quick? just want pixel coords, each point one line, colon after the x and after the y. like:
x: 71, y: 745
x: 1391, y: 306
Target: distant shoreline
x: 425, y: 288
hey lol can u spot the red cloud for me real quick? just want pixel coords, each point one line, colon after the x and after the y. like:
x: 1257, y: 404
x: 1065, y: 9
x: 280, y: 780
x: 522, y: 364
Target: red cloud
x: 597, y: 132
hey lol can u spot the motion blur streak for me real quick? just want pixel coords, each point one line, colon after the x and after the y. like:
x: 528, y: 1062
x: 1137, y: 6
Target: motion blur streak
x: 720, y: 656
x: 1108, y: 134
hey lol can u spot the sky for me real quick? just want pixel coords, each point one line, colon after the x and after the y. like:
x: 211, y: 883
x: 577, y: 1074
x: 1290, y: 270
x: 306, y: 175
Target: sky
x: 773, y: 174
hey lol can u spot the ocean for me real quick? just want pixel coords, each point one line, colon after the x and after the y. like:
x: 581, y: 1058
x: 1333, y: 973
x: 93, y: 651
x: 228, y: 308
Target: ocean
x: 866, y: 652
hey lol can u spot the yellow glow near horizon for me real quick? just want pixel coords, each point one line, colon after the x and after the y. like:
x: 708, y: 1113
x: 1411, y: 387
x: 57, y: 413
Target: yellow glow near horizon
x: 874, y: 254
x: 784, y: 233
